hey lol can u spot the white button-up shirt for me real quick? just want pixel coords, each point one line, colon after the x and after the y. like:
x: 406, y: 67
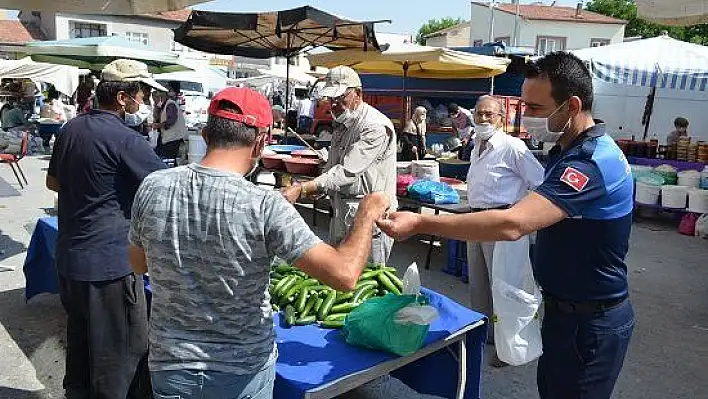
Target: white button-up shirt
x: 503, y: 174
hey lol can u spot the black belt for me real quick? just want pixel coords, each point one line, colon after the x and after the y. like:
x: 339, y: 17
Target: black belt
x: 582, y: 307
x: 491, y: 209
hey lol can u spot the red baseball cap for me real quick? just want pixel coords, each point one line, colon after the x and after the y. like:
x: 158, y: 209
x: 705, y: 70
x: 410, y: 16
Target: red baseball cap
x: 255, y: 108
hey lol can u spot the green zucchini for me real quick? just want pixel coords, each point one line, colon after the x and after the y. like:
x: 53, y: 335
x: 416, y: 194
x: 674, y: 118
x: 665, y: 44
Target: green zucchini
x: 387, y: 283
x: 324, y: 310
x: 344, y: 307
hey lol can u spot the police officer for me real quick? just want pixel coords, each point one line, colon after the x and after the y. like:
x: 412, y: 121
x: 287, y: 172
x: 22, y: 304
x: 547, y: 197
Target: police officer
x: 583, y: 214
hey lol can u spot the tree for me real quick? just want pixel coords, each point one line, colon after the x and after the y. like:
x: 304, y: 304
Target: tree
x: 627, y: 10
x: 435, y: 25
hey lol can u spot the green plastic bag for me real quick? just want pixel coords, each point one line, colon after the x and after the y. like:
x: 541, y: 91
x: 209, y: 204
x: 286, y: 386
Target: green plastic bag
x: 371, y: 325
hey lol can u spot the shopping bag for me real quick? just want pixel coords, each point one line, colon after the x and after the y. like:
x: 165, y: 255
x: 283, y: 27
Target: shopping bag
x: 702, y: 226
x: 394, y: 323
x: 687, y: 226
x: 152, y: 138
x: 433, y: 192
x: 516, y: 298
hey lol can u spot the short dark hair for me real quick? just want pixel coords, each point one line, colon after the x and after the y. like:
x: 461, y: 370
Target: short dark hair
x: 681, y: 122
x: 106, y: 92
x: 568, y: 74
x: 226, y: 133
x: 52, y: 93
x: 453, y: 108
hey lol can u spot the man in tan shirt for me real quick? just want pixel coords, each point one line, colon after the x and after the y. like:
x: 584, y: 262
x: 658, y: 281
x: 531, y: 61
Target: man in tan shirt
x: 362, y: 159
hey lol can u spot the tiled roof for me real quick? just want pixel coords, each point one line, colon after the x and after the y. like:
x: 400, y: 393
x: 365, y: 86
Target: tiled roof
x: 555, y: 13
x: 17, y: 32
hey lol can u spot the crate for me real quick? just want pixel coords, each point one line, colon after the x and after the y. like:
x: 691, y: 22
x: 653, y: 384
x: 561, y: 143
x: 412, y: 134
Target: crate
x: 456, y: 259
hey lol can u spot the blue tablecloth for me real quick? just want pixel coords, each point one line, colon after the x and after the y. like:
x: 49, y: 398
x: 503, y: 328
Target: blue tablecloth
x: 310, y: 356
x: 40, y: 273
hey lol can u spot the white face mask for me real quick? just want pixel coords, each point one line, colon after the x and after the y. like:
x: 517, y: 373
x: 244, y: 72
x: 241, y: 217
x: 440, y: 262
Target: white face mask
x: 343, y: 117
x: 484, y: 131
x: 538, y: 127
x: 138, y: 117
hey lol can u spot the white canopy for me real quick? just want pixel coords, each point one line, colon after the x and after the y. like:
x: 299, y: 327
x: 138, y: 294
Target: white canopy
x: 113, y: 7
x: 296, y: 75
x: 674, y: 12
x: 660, y: 62
x: 64, y: 78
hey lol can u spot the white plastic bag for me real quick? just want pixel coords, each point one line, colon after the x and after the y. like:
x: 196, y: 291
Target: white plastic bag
x: 152, y: 137
x: 517, y: 330
x: 414, y: 314
x: 702, y: 226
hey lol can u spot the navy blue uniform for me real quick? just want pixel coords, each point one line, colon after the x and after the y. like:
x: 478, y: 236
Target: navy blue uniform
x: 580, y: 267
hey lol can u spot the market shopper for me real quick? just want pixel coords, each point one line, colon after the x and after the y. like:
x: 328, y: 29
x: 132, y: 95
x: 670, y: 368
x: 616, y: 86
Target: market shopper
x: 171, y: 126
x: 362, y: 159
x: 412, y: 141
x: 462, y: 122
x: 208, y: 236
x: 680, y: 130
x: 96, y: 167
x: 583, y: 214
x: 502, y: 172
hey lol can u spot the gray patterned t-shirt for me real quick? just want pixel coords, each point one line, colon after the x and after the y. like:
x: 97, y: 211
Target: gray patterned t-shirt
x: 209, y: 237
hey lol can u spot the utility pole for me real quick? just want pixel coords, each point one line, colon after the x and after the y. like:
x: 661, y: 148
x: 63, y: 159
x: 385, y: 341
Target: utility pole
x: 491, y: 21
x: 516, y: 23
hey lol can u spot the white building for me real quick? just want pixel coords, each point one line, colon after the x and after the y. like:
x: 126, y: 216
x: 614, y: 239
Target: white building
x: 545, y: 28
x: 454, y: 36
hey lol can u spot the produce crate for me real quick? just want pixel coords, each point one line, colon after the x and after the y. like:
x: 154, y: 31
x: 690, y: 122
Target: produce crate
x: 457, y: 259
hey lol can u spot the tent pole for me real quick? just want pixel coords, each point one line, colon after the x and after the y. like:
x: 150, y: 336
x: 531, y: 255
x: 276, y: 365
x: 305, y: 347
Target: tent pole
x: 287, y: 87
x: 406, y: 98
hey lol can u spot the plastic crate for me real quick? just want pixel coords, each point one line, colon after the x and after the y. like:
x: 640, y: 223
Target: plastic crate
x: 456, y: 259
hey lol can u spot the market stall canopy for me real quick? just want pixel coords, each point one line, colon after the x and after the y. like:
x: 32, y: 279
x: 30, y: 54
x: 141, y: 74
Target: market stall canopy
x: 415, y: 61
x: 111, y: 7
x: 64, y: 78
x: 674, y: 12
x: 95, y: 52
x: 273, y: 34
x: 660, y: 62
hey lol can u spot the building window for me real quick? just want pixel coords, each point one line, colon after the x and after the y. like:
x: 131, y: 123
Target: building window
x: 599, y: 42
x: 549, y: 44
x: 454, y: 32
x: 137, y: 37
x: 503, y: 39
x: 82, y: 29
x: 478, y: 43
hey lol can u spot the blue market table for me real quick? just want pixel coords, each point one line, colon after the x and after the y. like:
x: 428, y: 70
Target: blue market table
x: 316, y: 363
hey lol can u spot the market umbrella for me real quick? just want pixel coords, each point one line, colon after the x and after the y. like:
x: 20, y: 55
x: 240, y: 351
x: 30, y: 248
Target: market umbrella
x: 658, y: 63
x: 95, y: 52
x: 111, y: 7
x: 674, y: 12
x: 64, y: 78
x: 274, y: 34
x: 411, y: 60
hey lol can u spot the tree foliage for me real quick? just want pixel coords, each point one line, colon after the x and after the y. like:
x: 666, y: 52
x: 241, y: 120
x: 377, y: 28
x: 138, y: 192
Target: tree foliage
x: 435, y: 25
x: 627, y: 10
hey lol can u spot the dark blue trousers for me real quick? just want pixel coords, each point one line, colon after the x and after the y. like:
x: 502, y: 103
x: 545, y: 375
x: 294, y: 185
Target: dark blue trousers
x: 583, y: 352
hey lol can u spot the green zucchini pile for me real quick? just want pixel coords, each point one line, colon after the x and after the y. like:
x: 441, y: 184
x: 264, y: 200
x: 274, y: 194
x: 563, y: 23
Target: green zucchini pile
x: 304, y: 300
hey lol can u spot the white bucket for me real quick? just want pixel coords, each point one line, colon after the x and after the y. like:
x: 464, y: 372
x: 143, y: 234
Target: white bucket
x: 673, y: 197
x: 647, y: 194
x: 698, y: 200
x: 689, y: 178
x: 197, y: 145
x: 403, y: 168
x: 195, y: 157
x: 426, y: 170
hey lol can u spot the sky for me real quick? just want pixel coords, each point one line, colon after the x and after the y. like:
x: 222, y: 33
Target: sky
x: 406, y: 15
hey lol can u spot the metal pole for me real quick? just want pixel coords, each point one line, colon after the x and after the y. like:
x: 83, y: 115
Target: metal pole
x: 491, y: 21
x: 516, y: 23
x: 287, y: 85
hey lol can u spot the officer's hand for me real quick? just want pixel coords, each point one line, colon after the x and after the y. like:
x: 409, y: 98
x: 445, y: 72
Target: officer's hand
x: 292, y: 193
x: 400, y: 225
x: 375, y: 205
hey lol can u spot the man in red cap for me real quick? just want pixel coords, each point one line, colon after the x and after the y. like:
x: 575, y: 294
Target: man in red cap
x: 208, y: 236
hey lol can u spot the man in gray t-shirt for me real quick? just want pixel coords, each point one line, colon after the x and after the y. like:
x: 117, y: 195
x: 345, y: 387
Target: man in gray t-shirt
x: 207, y: 237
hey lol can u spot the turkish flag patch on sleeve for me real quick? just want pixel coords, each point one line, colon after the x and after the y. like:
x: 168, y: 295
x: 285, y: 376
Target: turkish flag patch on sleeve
x: 574, y: 178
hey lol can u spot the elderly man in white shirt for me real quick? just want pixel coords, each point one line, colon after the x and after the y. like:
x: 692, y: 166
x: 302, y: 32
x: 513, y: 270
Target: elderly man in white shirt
x: 502, y: 171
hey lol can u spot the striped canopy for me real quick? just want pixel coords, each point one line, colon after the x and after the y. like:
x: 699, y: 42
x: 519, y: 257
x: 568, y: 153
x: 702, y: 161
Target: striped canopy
x: 660, y: 62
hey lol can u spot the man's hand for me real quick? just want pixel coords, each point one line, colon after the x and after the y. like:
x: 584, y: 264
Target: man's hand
x: 157, y: 126
x: 400, y: 225
x: 292, y: 193
x: 375, y: 205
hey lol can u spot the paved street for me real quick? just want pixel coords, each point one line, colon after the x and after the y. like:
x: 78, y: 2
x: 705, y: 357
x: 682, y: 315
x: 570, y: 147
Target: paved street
x: 668, y: 357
